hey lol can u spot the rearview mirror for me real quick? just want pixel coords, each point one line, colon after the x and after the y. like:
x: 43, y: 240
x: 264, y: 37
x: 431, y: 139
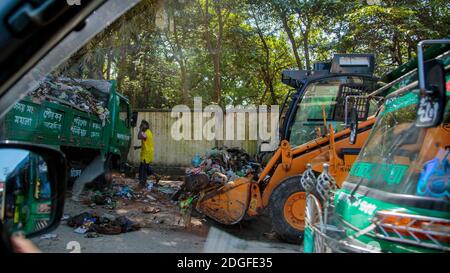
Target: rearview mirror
x: 134, y: 117
x: 32, y: 186
x: 432, y: 96
x: 353, y: 125
x: 356, y: 109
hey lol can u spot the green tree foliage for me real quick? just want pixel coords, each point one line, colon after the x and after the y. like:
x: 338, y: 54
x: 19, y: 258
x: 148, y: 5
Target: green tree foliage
x: 392, y: 29
x: 231, y: 52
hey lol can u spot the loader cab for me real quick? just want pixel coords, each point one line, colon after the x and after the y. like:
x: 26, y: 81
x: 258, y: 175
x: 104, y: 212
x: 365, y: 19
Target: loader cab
x: 321, y: 91
x: 396, y: 197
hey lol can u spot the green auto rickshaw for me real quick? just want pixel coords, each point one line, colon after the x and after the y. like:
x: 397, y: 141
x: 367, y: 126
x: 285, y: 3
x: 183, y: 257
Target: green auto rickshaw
x: 396, y: 197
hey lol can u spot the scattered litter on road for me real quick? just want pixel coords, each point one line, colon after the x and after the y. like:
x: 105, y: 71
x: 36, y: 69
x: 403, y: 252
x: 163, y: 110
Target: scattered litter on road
x: 50, y: 236
x: 125, y: 192
x: 150, y: 197
x: 270, y: 235
x: 78, y: 220
x: 100, y: 198
x: 150, y: 209
x: 81, y: 230
x: 167, y: 190
x: 141, y: 207
x: 92, y: 235
x: 186, y: 209
x: 90, y: 222
x: 126, y: 224
x: 149, y: 186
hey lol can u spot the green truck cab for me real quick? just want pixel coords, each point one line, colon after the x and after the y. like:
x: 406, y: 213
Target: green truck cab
x: 80, y: 134
x: 396, y: 197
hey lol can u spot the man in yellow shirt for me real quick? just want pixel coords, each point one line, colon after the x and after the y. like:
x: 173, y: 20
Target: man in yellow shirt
x: 146, y: 137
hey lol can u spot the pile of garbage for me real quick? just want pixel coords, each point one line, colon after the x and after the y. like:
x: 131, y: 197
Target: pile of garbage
x: 125, y: 192
x: 72, y: 92
x: 104, y: 199
x: 88, y: 222
x: 107, y: 198
x: 220, y: 166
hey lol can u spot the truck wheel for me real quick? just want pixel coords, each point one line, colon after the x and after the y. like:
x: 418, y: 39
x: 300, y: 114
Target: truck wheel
x: 287, y: 208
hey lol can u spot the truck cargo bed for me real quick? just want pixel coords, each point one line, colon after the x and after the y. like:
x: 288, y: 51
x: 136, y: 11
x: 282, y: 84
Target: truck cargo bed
x: 52, y: 123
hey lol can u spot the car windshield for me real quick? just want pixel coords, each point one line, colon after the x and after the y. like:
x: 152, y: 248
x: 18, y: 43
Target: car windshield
x: 402, y: 158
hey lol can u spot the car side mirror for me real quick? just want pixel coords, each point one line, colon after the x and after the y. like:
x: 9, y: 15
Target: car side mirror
x: 356, y: 109
x: 432, y: 96
x: 134, y: 117
x: 32, y: 188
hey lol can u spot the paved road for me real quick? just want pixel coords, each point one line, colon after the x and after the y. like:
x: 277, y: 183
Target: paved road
x: 156, y: 237
x: 144, y: 240
x: 156, y: 241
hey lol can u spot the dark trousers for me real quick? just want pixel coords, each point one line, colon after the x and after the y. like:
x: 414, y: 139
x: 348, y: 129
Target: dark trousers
x: 144, y: 171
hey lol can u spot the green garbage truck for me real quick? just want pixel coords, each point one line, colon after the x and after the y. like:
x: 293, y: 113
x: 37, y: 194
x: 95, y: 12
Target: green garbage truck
x: 86, y: 119
x: 396, y: 197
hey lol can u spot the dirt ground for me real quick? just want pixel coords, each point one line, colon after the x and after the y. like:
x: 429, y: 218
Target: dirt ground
x: 162, y: 227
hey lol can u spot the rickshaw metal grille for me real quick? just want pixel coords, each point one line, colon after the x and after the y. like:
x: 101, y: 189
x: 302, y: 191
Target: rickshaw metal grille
x: 409, y: 233
x: 325, y: 185
x: 308, y: 179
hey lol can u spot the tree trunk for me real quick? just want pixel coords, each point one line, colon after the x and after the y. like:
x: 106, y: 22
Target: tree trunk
x: 291, y: 37
x: 184, y: 84
x: 306, y: 49
x: 182, y: 63
x: 305, y: 36
x: 399, y: 52
x: 122, y: 68
x: 108, y: 65
x: 272, y: 93
x: 214, y: 50
x: 145, y: 90
x: 266, y: 66
x: 396, y: 50
x: 410, y: 50
x: 217, y: 56
x: 217, y: 81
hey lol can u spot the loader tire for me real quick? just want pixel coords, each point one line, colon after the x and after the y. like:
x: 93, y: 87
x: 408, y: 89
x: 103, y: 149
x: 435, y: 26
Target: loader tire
x: 287, y: 209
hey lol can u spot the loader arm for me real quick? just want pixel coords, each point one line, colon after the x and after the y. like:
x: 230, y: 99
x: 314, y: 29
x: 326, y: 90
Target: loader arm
x: 293, y: 160
x: 283, y: 152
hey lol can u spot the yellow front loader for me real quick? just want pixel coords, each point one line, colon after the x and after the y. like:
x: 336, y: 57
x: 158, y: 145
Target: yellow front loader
x: 318, y: 107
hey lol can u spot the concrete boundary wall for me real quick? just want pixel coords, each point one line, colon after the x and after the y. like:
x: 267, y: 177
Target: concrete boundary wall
x: 172, y: 153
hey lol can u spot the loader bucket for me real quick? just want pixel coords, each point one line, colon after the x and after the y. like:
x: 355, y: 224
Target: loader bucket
x: 227, y: 204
